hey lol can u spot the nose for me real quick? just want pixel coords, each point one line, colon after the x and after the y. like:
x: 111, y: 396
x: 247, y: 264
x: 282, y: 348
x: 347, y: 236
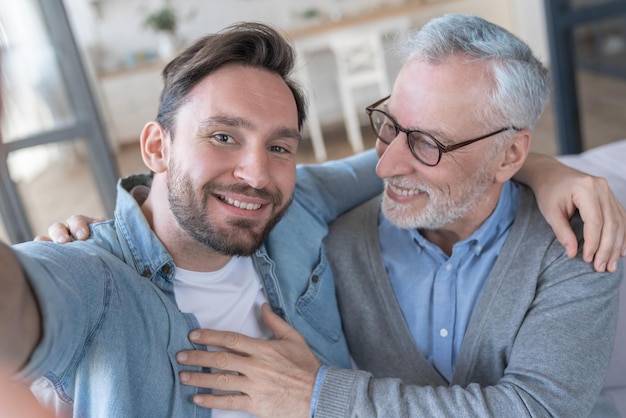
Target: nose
x: 395, y: 159
x: 253, y: 168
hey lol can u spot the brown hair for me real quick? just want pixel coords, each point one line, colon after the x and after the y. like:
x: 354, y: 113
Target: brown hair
x: 250, y: 44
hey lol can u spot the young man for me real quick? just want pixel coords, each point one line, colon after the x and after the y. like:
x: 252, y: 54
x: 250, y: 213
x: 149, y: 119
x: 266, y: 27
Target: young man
x: 97, y: 324
x: 455, y: 296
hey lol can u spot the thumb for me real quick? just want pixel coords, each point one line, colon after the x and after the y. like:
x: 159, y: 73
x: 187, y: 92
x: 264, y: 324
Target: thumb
x: 279, y: 327
x: 565, y: 235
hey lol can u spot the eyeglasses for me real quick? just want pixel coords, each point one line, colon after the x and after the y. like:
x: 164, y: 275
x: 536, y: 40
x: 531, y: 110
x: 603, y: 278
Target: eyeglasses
x: 424, y: 147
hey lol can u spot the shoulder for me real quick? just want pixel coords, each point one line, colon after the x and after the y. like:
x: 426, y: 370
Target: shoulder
x: 357, y: 226
x: 364, y: 214
x: 531, y: 223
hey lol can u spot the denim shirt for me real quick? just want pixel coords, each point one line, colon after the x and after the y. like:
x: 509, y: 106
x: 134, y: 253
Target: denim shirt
x: 111, y: 327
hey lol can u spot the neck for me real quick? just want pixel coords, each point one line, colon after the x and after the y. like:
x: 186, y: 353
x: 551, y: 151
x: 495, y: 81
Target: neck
x: 448, y: 235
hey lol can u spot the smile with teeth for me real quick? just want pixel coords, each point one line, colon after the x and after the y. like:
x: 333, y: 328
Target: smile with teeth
x: 403, y: 192
x: 239, y: 204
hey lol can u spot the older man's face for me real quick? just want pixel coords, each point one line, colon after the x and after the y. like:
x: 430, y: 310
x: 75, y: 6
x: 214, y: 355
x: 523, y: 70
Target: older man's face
x: 442, y: 100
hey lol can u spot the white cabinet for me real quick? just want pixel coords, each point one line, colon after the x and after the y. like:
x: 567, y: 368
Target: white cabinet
x: 130, y: 99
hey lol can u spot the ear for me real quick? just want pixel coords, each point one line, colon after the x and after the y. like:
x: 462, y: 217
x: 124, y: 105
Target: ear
x: 513, y: 156
x: 155, y: 146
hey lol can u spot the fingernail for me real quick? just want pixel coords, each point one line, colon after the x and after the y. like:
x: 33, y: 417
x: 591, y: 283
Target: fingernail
x: 182, y: 356
x: 60, y: 240
x: 184, y: 377
x: 613, y: 266
x: 602, y: 267
x: 194, y: 335
x: 81, y: 234
x: 624, y: 252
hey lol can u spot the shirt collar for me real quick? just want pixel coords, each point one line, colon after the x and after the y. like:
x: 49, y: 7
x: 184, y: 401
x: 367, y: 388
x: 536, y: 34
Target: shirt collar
x: 148, y: 253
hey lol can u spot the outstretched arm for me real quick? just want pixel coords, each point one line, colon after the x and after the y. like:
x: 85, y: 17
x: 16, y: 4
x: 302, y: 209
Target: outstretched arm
x: 560, y: 191
x: 16, y: 400
x: 20, y: 323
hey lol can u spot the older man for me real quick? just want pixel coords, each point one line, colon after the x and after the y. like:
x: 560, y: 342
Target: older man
x: 455, y: 296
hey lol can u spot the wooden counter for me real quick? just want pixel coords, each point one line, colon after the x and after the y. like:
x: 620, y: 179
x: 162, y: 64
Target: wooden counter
x: 371, y: 16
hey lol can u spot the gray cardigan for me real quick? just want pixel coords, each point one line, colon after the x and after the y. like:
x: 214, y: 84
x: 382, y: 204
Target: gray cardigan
x: 537, y: 344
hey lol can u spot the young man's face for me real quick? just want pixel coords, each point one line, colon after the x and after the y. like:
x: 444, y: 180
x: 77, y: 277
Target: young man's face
x: 232, y: 167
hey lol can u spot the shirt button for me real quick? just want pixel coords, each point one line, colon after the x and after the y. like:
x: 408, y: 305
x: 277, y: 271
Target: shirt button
x: 443, y: 332
x: 448, y: 267
x: 166, y: 269
x: 315, y: 279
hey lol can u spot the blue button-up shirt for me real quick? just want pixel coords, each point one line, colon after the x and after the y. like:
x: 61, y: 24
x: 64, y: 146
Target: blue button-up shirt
x: 111, y: 326
x: 437, y: 293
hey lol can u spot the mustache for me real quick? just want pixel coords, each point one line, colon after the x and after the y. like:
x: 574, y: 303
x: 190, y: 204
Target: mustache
x: 404, y: 183
x: 274, y: 197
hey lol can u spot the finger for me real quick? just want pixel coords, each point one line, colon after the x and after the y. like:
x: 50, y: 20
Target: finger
x: 42, y: 238
x: 225, y: 382
x: 229, y: 340
x: 279, y: 327
x: 222, y: 360
x: 592, y: 236
x: 565, y: 235
x: 79, y: 226
x: 611, y: 243
x: 58, y: 232
x: 237, y: 402
x: 593, y: 214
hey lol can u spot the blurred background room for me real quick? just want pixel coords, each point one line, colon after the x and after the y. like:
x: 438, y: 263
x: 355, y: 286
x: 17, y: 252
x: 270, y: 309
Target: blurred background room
x: 81, y: 77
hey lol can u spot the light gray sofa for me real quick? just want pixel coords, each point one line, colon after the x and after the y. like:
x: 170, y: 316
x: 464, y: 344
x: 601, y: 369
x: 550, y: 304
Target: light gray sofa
x: 609, y: 161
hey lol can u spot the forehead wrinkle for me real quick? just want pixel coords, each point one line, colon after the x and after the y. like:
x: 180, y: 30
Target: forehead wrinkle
x: 220, y: 120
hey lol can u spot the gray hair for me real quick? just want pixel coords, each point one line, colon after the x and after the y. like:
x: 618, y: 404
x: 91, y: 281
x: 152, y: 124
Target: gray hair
x: 522, y: 82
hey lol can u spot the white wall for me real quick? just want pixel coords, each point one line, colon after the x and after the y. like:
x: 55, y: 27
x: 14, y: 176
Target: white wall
x: 530, y: 22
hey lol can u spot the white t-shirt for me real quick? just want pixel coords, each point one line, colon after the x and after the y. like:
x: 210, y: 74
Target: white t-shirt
x: 229, y: 299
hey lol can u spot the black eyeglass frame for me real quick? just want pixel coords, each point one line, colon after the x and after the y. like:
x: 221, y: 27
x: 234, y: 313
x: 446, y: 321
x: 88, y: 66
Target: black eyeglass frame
x: 441, y: 147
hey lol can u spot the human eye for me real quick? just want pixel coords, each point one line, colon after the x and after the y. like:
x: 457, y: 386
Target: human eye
x: 223, y: 138
x: 385, y: 126
x: 421, y: 141
x: 279, y: 149
x: 284, y: 147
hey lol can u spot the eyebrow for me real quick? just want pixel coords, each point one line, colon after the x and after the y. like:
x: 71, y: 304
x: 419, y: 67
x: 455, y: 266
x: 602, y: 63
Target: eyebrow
x: 439, y: 135
x: 234, y: 122
x: 238, y: 122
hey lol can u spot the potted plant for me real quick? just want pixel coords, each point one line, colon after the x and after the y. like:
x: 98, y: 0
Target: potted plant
x: 164, y: 22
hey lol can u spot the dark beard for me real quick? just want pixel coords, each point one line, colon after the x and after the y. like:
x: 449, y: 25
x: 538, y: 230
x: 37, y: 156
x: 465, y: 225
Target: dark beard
x: 240, y: 239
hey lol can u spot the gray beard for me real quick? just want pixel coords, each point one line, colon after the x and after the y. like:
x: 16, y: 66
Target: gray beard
x: 441, y: 209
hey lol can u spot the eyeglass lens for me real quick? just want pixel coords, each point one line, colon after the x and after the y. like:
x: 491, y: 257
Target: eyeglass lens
x: 421, y: 145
